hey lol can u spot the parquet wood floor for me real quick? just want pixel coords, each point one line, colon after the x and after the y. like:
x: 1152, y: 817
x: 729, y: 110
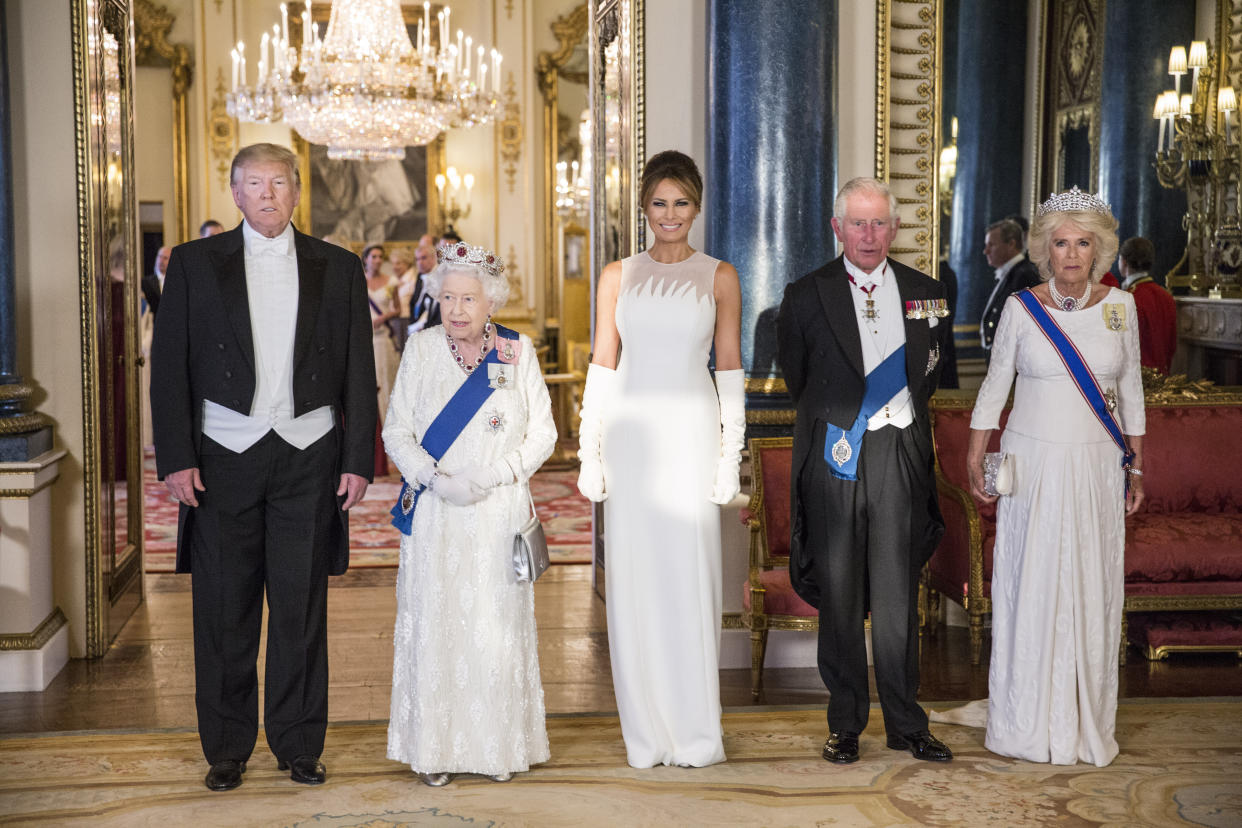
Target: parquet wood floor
x: 147, y: 678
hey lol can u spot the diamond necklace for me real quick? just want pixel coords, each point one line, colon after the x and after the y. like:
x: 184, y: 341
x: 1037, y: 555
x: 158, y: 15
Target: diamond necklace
x: 1068, y: 303
x: 465, y: 366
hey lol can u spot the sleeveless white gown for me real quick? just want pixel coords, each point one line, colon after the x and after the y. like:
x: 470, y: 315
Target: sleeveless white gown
x: 661, y: 440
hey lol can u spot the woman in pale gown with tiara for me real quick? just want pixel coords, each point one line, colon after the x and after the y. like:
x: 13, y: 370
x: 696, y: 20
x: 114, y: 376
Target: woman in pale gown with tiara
x: 660, y: 446
x: 1058, y: 578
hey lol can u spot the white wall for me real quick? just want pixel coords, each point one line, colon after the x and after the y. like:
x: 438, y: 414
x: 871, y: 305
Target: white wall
x: 46, y: 247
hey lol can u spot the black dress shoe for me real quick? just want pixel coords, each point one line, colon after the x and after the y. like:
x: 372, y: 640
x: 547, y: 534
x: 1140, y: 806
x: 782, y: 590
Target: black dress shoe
x: 225, y: 775
x: 306, y: 769
x: 841, y: 748
x: 922, y: 745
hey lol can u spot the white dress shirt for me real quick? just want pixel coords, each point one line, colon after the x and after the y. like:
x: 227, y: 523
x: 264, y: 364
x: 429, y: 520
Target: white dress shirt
x: 881, y: 336
x: 272, y: 293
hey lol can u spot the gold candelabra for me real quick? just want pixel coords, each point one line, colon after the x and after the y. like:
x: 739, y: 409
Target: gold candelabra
x: 1199, y: 152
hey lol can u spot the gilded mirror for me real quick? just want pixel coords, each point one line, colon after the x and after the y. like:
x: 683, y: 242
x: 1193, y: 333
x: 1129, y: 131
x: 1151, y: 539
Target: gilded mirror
x: 112, y: 466
x: 563, y: 75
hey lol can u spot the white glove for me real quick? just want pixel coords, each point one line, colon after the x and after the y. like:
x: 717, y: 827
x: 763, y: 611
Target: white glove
x: 486, y: 478
x: 731, y: 388
x: 600, y: 384
x: 456, y: 490
x: 424, y: 475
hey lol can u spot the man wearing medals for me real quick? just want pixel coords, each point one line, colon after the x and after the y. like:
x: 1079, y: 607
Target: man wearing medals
x: 860, y: 341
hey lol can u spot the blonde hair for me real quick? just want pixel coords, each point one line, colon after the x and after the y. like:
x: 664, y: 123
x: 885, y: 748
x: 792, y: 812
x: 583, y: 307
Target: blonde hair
x: 259, y: 153
x: 1101, y: 225
x: 402, y: 254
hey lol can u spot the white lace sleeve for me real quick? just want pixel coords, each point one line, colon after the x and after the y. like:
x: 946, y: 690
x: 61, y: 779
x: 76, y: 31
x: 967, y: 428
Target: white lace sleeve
x: 1131, y: 405
x: 540, y: 436
x: 399, y: 439
x: 994, y: 392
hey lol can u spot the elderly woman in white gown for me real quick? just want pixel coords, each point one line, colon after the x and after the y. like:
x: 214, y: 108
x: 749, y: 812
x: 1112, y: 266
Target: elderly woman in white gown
x: 1059, y: 562
x: 466, y: 692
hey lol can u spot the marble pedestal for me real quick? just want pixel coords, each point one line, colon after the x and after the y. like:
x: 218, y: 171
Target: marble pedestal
x: 34, y: 637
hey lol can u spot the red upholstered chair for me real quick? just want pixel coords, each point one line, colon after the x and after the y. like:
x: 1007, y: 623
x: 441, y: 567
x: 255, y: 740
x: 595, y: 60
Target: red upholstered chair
x: 768, y: 600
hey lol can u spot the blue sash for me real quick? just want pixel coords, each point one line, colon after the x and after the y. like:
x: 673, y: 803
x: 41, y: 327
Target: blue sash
x: 841, y: 447
x: 1078, y: 370
x: 446, y: 428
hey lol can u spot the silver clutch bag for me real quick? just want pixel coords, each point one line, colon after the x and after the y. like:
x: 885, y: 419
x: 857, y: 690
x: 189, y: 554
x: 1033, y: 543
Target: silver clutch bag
x: 997, y: 474
x: 530, y: 547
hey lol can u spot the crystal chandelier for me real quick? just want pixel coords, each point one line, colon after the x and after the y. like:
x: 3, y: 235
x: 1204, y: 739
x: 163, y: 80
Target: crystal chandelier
x: 364, y: 90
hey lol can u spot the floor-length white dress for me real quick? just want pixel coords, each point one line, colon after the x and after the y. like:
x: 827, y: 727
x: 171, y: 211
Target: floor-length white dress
x: 661, y: 440
x: 386, y: 357
x: 466, y: 691
x: 1058, y: 564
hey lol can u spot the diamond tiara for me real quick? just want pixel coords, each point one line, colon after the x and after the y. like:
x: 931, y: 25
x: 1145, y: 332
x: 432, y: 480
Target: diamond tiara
x: 1072, y: 201
x: 472, y: 255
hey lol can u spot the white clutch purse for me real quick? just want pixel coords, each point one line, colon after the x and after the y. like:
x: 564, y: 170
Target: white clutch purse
x: 997, y: 474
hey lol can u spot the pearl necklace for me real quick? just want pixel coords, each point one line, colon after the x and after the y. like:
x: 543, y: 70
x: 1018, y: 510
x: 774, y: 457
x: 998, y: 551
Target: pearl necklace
x: 483, y: 349
x: 1068, y: 303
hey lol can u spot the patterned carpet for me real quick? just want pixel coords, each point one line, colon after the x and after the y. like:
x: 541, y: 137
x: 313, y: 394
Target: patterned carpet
x: 566, y: 517
x: 1179, y: 765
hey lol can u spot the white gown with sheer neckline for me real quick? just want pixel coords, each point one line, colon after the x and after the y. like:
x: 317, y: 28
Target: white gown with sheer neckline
x: 661, y: 440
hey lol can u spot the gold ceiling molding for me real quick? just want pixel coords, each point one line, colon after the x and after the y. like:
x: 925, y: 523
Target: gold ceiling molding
x: 152, y: 48
x: 511, y: 132
x: 221, y: 130
x: 908, y: 96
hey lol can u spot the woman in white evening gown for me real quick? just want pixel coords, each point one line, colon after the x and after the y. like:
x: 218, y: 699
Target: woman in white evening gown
x: 382, y: 293
x: 1058, y: 563
x: 466, y: 693
x: 660, y: 446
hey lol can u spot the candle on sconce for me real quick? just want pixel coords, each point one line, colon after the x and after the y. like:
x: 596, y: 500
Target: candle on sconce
x: 482, y: 76
x: 440, y: 185
x: 465, y: 56
x: 307, y: 32
x: 1198, y: 59
x: 427, y: 23
x: 263, y: 58
x: 459, y: 53
x: 1177, y: 66
x: 241, y: 62
x: 1227, y: 102
x: 284, y: 23
x: 277, y: 50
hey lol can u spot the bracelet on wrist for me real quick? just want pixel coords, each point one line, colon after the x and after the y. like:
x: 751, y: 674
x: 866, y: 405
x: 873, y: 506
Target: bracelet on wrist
x: 1134, y: 471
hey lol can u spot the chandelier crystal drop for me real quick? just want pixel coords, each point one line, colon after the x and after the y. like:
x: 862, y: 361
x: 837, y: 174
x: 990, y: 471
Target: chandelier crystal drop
x: 365, y: 90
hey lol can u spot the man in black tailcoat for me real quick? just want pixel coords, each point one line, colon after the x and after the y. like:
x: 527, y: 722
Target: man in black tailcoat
x: 264, y: 411
x: 859, y: 544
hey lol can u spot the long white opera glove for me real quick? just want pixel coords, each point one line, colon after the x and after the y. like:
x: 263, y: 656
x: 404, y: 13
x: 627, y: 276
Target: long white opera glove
x: 596, y: 397
x: 731, y: 388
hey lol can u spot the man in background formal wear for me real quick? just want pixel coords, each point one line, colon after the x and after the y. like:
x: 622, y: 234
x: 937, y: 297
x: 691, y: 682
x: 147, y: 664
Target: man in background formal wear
x: 153, y: 283
x: 263, y: 394
x: 1157, y: 309
x: 860, y: 342
x: 1004, y: 250
x: 424, y: 308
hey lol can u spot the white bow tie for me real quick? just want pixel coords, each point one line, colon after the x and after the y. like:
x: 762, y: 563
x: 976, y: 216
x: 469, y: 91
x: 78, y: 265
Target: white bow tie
x: 263, y: 246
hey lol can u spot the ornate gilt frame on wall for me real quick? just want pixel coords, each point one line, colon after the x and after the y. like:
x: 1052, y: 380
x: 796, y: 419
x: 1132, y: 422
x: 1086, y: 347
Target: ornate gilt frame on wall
x: 151, y: 27
x: 1073, y: 92
x: 107, y: 247
x: 907, y: 127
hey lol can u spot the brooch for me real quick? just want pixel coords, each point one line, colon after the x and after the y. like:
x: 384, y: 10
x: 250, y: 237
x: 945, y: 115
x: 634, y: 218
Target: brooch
x: 927, y: 308
x: 1115, y: 316
x: 841, y: 451
x: 508, y: 350
x: 407, y: 500
x: 499, y: 376
x: 495, y: 422
x: 933, y: 357
x: 1110, y: 399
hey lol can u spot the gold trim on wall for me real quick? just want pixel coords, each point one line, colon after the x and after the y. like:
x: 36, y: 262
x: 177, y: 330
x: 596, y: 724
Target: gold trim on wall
x: 39, y: 636
x: 152, y: 48
x: 221, y: 130
x: 907, y: 127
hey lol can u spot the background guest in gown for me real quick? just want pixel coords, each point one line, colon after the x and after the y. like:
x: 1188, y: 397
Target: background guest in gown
x: 1058, y: 573
x: 1157, y: 310
x: 865, y: 513
x: 661, y: 447
x: 402, y: 261
x: 382, y: 292
x: 466, y: 692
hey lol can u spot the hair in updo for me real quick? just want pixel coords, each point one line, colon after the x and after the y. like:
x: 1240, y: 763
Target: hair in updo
x: 673, y: 166
x: 1101, y: 225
